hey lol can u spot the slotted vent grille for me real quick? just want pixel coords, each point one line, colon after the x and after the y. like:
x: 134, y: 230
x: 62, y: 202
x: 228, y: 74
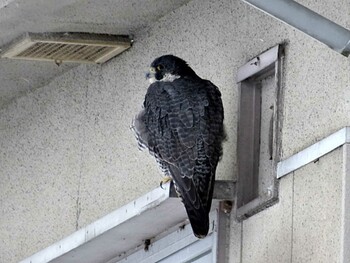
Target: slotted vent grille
x: 68, y: 47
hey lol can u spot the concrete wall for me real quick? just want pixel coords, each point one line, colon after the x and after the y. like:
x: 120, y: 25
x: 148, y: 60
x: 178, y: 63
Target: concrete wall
x: 68, y: 157
x: 305, y: 225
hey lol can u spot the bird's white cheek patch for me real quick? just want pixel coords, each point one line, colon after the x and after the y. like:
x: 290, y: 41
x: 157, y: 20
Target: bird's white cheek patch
x: 169, y: 77
x: 166, y: 78
x: 152, y: 80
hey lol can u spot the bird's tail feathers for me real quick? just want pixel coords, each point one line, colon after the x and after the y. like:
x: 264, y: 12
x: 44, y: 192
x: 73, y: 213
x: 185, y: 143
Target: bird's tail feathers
x: 197, y: 212
x: 199, y: 220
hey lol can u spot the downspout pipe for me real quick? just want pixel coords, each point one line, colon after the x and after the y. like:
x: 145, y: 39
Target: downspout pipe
x: 307, y: 21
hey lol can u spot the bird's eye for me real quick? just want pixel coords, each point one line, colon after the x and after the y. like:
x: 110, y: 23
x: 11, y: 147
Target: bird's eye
x: 160, y: 67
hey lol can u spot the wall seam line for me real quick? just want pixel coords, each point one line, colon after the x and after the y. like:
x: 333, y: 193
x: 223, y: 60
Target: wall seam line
x: 82, y: 150
x: 292, y: 225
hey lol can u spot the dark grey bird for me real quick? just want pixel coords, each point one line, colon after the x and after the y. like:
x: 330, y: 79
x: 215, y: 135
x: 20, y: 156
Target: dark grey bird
x: 181, y: 124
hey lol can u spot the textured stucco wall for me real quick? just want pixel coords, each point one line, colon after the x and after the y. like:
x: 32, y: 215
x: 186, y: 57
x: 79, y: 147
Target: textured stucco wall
x: 68, y: 157
x: 305, y: 225
x: 317, y: 210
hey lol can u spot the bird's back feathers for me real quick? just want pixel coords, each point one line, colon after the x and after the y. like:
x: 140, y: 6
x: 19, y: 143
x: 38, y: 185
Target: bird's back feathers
x: 182, y: 126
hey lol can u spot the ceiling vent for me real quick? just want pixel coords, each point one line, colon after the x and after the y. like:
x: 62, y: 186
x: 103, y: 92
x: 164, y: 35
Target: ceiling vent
x: 67, y: 47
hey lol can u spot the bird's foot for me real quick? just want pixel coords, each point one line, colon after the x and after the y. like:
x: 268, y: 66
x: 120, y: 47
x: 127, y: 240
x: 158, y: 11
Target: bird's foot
x: 165, y: 180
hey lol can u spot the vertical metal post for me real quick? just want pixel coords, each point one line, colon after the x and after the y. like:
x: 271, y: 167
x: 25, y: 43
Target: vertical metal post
x: 248, y: 147
x: 345, y: 231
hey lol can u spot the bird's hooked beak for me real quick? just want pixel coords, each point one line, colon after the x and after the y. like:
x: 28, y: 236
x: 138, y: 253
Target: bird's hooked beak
x: 151, y: 75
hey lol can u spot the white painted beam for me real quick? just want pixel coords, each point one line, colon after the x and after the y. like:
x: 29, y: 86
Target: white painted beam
x: 313, y: 152
x: 125, y: 228
x: 99, y: 232
x: 345, y: 229
x: 258, y: 64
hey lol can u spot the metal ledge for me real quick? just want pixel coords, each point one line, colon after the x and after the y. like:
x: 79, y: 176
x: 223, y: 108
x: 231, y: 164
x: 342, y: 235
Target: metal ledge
x: 259, y: 64
x: 126, y: 228
x: 313, y: 152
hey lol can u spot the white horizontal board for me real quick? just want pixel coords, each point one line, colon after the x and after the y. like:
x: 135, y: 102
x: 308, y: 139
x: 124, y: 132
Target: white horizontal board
x: 313, y: 152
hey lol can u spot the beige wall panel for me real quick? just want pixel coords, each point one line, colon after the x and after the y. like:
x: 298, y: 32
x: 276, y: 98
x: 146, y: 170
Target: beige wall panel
x: 317, y: 210
x: 267, y: 235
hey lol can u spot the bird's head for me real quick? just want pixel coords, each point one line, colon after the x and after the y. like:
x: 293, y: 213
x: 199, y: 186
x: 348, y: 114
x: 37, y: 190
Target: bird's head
x: 168, y: 68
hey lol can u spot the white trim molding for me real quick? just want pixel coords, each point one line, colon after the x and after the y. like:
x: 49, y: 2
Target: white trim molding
x: 345, y: 228
x: 258, y: 64
x: 313, y: 152
x: 126, y: 229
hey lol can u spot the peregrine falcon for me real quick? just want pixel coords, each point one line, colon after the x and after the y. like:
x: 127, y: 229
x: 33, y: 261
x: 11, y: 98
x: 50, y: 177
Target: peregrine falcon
x: 181, y: 124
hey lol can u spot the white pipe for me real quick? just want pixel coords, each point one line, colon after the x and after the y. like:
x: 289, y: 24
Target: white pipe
x: 307, y: 21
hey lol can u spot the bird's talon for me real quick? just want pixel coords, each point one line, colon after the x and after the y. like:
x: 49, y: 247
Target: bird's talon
x: 165, y: 180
